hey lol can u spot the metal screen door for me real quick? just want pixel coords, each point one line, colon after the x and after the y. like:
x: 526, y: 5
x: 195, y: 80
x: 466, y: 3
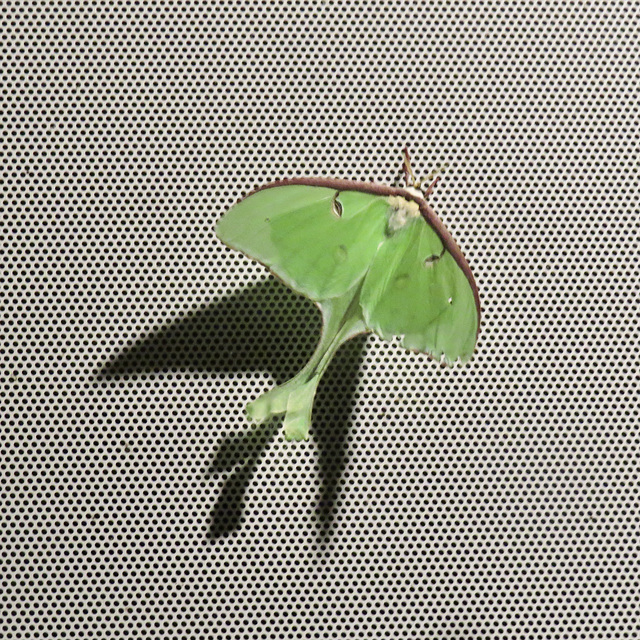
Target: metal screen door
x: 499, y: 499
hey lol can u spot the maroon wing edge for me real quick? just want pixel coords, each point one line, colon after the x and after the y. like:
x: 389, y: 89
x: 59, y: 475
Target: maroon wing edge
x: 383, y: 190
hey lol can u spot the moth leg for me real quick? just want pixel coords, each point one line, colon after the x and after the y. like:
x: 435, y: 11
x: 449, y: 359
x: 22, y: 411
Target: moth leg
x: 431, y: 187
x: 406, y: 168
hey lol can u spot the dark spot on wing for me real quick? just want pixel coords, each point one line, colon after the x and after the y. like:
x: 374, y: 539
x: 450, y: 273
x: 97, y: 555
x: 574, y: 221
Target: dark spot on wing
x: 429, y: 260
x: 336, y: 206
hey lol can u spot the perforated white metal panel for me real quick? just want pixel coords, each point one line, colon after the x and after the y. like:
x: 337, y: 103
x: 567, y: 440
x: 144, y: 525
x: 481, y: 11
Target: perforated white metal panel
x: 495, y: 500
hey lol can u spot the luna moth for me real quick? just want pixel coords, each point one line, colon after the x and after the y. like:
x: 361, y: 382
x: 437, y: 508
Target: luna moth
x: 373, y: 258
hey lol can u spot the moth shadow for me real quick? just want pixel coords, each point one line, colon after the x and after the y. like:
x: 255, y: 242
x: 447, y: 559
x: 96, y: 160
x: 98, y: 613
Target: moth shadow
x: 265, y: 327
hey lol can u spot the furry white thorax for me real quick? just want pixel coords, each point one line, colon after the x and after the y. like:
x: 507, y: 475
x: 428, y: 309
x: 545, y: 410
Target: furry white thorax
x: 414, y: 191
x: 403, y: 210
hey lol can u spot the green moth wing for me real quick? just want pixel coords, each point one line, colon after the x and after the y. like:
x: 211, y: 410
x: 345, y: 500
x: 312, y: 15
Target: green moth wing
x: 320, y: 241
x: 415, y: 289
x: 373, y: 257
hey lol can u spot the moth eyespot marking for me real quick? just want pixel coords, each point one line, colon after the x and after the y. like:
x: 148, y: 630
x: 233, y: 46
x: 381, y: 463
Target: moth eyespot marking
x: 429, y: 261
x: 336, y: 206
x: 341, y: 253
x: 267, y: 219
x: 450, y: 300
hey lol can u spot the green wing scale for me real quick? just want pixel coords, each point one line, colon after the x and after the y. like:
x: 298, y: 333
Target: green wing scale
x: 415, y: 289
x: 319, y: 241
x: 373, y: 258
